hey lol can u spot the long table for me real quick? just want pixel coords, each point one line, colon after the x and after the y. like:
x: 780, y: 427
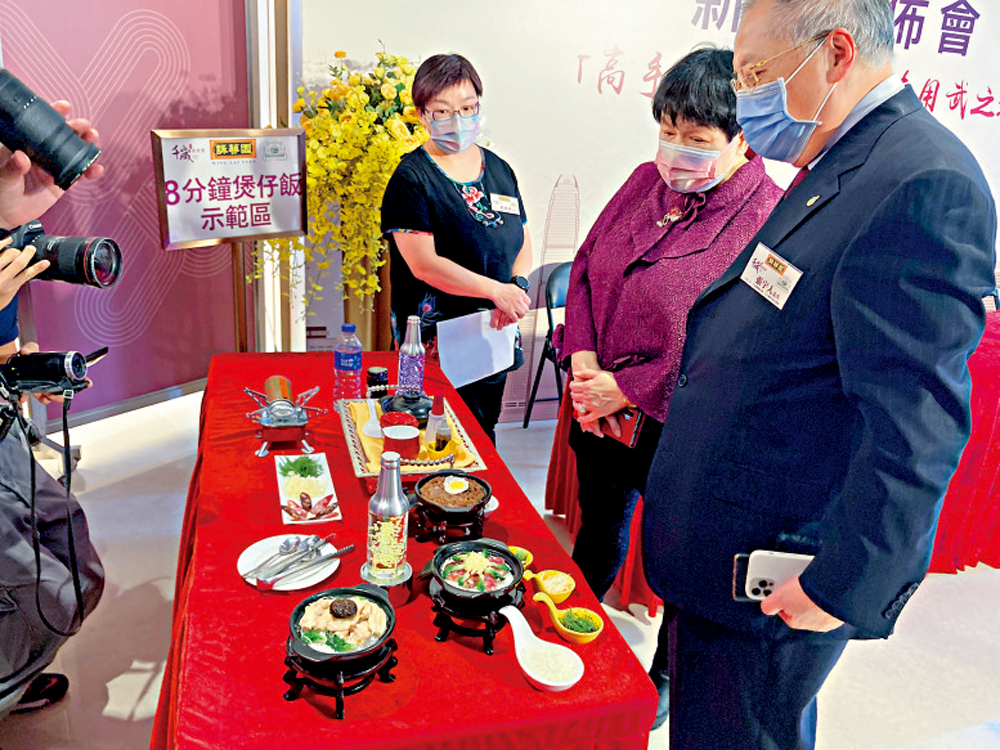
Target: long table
x: 223, y: 685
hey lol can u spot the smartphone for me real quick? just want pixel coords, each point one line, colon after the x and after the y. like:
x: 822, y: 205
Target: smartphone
x: 757, y: 575
x: 630, y: 421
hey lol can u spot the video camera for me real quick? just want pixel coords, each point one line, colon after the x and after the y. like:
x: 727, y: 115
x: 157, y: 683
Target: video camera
x: 59, y: 373
x: 47, y: 372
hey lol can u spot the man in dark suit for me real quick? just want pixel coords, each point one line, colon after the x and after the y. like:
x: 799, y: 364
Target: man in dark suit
x: 824, y: 397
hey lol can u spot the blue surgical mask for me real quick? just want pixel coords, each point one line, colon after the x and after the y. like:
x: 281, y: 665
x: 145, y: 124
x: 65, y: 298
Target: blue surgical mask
x: 455, y: 134
x: 768, y: 127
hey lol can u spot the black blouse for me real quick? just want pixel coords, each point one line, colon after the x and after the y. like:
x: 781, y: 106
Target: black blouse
x: 479, y: 225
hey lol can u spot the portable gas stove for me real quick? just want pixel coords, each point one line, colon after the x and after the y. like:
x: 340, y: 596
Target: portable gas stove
x: 281, y: 420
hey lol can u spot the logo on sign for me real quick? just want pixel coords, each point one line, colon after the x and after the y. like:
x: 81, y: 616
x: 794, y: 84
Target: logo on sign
x: 776, y: 264
x: 275, y: 152
x: 242, y: 148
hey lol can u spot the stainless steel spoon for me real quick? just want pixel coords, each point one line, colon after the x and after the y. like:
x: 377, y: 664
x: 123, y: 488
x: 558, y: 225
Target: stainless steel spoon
x: 268, y: 584
x: 288, y: 546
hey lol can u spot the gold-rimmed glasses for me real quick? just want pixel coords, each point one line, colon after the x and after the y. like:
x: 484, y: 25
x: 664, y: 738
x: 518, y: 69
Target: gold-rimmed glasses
x: 748, y: 78
x: 469, y: 110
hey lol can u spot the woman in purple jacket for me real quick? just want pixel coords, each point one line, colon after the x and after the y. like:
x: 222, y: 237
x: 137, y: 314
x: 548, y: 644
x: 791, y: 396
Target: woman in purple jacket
x: 673, y: 227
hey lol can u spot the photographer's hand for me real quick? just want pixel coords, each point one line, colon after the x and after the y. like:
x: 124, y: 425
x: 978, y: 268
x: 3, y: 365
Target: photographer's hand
x: 28, y: 191
x: 15, y: 271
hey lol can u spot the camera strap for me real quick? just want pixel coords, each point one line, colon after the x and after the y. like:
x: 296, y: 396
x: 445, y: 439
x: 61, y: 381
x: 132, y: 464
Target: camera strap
x: 74, y: 565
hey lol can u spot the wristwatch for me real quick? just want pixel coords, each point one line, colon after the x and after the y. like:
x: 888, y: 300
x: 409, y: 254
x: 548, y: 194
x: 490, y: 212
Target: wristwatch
x: 521, y: 283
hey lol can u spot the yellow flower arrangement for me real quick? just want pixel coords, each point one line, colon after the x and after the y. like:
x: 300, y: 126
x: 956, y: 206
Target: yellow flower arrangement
x: 357, y: 129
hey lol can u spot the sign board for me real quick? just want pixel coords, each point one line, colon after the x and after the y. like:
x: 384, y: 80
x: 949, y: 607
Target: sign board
x: 215, y: 186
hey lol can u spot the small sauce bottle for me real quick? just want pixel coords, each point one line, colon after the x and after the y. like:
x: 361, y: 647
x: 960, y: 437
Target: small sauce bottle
x: 434, y: 419
x: 442, y: 435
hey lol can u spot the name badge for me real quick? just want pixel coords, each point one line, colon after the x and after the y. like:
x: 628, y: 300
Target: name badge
x: 505, y: 203
x: 770, y: 275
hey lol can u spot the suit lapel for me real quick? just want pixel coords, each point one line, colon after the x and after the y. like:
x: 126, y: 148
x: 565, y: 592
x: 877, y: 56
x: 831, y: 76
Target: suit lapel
x: 820, y: 186
x: 810, y: 195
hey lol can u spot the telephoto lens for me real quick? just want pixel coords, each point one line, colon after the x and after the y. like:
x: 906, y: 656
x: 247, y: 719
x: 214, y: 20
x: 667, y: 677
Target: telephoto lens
x: 93, y: 261
x: 29, y: 124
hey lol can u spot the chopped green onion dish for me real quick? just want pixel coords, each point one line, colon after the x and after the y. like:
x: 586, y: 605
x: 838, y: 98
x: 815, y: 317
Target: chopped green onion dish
x: 578, y: 623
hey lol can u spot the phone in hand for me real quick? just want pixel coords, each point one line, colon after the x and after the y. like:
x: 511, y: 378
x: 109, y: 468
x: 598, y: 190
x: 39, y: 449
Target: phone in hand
x: 630, y: 421
x: 757, y: 575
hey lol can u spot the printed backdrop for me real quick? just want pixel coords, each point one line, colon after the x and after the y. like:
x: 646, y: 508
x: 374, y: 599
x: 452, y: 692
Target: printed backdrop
x: 567, y: 88
x: 132, y: 66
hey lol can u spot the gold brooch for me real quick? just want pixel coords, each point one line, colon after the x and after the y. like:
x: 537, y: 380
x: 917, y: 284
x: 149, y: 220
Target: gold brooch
x: 812, y: 200
x: 670, y: 216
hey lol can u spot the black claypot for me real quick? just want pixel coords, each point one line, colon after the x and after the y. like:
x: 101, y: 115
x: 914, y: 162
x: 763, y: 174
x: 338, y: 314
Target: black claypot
x: 486, y: 546
x: 364, y: 590
x: 446, y: 510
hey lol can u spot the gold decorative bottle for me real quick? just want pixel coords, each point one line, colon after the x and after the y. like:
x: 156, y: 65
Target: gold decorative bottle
x: 388, y: 512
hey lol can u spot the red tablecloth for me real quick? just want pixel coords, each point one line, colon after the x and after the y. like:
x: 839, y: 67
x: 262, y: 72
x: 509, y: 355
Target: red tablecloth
x: 223, y: 683
x: 969, y: 527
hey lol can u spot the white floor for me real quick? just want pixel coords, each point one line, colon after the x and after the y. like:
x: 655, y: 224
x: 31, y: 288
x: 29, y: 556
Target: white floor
x: 935, y: 685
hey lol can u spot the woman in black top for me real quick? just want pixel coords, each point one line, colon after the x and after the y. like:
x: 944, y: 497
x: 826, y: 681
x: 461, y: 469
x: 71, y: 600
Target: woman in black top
x: 454, y: 219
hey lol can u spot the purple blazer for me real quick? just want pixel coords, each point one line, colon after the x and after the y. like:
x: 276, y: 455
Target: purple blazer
x: 649, y: 255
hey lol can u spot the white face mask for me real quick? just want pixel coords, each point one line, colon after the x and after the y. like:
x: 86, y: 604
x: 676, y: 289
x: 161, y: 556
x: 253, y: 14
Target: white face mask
x: 690, y: 170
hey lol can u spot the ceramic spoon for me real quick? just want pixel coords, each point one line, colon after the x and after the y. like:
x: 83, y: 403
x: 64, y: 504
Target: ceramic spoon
x: 547, y: 666
x: 372, y: 428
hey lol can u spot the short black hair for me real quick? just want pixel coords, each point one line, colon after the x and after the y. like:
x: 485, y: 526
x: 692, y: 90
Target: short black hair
x: 698, y: 89
x: 440, y: 72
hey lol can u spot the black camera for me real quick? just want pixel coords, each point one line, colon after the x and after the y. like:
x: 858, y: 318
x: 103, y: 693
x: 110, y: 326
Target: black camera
x: 94, y: 261
x: 29, y: 124
x: 44, y: 372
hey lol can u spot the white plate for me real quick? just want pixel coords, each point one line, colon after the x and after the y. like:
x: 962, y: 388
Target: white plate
x: 491, y: 506
x: 324, y: 485
x: 258, y: 552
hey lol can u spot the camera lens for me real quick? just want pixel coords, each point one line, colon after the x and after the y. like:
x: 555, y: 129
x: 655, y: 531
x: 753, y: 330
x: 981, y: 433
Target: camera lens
x: 103, y: 262
x: 29, y: 124
x: 76, y: 366
x: 94, y: 261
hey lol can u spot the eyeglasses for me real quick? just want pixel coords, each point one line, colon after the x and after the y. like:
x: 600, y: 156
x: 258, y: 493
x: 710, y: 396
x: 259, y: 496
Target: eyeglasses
x: 748, y: 78
x: 469, y: 110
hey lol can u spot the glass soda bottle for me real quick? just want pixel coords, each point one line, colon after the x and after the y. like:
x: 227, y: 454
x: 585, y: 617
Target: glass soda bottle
x: 347, y: 364
x: 388, y: 511
x: 411, y: 359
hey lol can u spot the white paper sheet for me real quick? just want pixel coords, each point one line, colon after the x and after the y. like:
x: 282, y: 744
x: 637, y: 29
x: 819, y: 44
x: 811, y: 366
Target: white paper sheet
x: 470, y: 349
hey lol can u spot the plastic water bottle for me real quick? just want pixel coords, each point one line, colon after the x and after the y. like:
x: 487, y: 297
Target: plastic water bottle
x: 347, y: 364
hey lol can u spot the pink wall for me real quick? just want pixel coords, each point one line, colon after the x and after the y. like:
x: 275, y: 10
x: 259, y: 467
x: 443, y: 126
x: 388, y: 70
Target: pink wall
x: 133, y: 66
